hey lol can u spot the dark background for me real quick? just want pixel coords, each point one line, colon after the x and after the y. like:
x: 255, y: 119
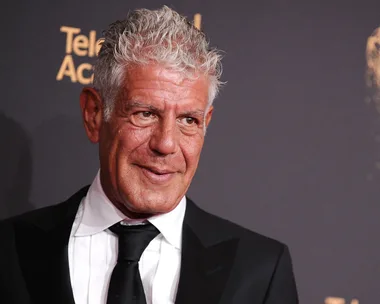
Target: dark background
x: 293, y: 148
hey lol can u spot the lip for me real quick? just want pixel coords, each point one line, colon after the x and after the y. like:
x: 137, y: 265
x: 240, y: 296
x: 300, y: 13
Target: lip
x: 156, y: 175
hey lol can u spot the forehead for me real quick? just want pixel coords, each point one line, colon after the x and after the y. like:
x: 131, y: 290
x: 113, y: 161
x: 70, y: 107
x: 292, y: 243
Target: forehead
x: 157, y: 83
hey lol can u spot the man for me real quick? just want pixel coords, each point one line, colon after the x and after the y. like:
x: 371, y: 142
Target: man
x: 133, y: 236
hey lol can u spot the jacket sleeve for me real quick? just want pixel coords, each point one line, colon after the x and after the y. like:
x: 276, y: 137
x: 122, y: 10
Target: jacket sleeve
x: 282, y: 288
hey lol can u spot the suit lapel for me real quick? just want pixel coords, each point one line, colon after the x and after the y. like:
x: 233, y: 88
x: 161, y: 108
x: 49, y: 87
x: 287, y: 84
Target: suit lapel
x: 42, y: 244
x: 206, y: 260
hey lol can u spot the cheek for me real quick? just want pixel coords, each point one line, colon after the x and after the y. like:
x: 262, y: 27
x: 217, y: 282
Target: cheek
x: 191, y: 148
x: 129, y: 139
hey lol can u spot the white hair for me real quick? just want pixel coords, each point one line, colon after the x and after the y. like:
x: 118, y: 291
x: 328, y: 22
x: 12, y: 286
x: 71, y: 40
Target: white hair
x: 154, y: 36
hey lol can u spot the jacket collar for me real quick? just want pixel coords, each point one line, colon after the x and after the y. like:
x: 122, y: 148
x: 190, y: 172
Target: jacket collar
x: 42, y: 246
x: 207, y: 257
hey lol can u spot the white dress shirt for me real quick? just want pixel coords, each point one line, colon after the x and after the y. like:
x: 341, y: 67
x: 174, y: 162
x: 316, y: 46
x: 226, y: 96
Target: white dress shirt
x: 93, y: 250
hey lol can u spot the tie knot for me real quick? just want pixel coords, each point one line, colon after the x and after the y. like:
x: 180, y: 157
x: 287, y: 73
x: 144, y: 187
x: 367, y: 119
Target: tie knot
x: 133, y: 240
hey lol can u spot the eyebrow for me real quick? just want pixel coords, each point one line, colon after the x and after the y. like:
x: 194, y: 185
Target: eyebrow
x: 194, y: 113
x: 137, y: 104
x: 131, y: 104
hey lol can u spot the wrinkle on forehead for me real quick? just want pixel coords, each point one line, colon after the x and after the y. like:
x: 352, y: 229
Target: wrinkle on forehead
x: 163, y: 74
x: 164, y: 95
x: 156, y: 82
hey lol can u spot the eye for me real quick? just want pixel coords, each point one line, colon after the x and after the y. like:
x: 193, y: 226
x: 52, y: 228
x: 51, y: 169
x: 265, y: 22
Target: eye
x: 146, y: 114
x: 189, y: 120
x: 143, y: 118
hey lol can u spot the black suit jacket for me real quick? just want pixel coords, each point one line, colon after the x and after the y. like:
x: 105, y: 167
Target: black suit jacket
x: 221, y: 262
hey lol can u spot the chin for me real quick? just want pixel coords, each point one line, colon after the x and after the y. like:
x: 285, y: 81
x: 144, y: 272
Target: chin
x: 153, y: 203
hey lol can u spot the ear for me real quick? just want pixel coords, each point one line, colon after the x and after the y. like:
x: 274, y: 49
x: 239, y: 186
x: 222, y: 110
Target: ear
x: 91, y: 105
x: 209, y: 115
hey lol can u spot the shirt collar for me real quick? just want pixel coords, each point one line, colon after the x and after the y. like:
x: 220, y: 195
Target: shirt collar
x: 99, y: 214
x: 170, y: 224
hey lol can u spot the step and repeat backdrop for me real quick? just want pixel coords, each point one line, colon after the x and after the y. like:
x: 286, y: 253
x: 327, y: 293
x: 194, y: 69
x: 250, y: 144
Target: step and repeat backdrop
x: 293, y: 151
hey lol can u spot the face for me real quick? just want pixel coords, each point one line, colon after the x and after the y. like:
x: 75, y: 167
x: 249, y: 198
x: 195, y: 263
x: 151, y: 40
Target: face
x: 150, y: 147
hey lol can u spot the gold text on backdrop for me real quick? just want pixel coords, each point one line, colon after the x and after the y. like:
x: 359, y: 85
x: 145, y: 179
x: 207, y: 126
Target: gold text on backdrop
x: 80, y: 45
x: 334, y: 300
x: 197, y: 21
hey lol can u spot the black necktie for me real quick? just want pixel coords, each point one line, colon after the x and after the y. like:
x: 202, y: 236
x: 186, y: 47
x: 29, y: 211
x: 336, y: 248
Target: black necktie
x: 125, y: 285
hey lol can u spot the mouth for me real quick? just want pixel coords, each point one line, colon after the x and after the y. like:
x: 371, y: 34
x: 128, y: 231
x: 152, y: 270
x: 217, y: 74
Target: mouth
x: 157, y: 175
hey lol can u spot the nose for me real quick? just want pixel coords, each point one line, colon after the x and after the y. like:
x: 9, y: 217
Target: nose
x: 164, y: 138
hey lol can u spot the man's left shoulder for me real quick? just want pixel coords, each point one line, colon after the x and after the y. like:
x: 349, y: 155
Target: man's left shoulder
x: 221, y: 229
